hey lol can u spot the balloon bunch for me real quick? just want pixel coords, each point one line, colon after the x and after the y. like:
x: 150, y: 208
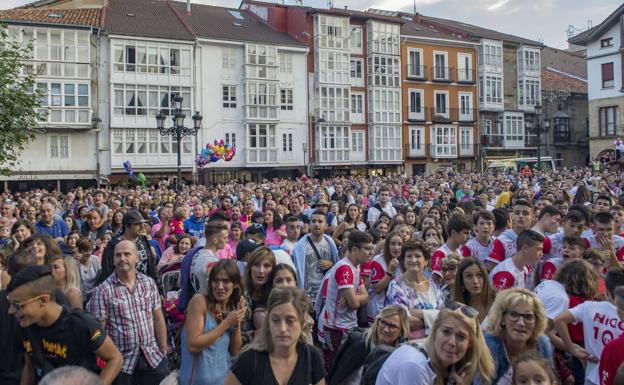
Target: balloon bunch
x: 140, y: 177
x: 214, y: 152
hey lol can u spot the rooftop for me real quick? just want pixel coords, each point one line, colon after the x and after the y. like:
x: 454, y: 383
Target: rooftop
x: 78, y: 17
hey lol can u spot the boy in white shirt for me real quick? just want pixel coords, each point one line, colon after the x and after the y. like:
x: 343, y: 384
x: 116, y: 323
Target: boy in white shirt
x: 601, y: 325
x: 517, y: 271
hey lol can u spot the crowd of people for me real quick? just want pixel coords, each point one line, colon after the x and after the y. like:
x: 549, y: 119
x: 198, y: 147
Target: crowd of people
x: 445, y: 278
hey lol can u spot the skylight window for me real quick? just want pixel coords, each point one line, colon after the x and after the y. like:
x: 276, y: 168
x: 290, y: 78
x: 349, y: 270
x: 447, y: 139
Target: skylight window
x: 54, y: 14
x: 237, y: 15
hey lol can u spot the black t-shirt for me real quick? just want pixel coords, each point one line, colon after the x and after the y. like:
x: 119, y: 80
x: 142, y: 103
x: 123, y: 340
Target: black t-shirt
x: 10, y: 364
x: 71, y: 340
x: 254, y: 368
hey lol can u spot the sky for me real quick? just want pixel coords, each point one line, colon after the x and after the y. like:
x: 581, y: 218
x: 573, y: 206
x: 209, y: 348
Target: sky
x: 541, y: 20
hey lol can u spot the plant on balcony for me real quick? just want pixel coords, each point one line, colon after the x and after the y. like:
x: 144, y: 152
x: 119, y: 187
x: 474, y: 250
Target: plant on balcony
x: 19, y: 101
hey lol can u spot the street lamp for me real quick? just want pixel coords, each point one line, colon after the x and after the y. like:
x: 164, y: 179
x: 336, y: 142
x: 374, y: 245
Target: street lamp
x: 538, y: 127
x: 178, y: 131
x: 96, y: 125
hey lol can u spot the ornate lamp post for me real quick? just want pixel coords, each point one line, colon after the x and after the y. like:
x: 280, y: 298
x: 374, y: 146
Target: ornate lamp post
x: 539, y: 128
x: 178, y: 131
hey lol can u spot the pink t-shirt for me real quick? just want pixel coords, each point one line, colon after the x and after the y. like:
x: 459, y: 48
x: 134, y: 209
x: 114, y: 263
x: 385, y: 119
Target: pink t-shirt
x: 272, y: 239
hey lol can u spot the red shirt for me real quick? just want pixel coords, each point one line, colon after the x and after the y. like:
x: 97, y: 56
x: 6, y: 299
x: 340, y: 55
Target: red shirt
x: 610, y: 360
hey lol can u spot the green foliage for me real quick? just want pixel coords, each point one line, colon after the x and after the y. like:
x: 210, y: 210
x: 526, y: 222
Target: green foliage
x: 18, y: 101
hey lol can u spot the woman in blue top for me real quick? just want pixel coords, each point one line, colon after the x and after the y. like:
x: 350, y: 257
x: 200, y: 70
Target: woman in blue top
x: 211, y: 333
x: 516, y: 325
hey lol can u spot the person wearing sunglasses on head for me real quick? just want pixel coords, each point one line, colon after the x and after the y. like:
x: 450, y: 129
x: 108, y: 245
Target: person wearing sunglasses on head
x: 516, y: 325
x: 54, y: 335
x: 454, y: 353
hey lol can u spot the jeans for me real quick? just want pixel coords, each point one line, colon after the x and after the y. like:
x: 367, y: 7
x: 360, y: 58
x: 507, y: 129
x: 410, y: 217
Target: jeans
x: 144, y: 374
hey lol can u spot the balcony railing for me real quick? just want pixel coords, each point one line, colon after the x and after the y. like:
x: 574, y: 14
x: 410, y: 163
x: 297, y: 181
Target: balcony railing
x: 437, y: 114
x: 411, y: 151
x: 413, y: 71
x: 441, y: 74
x: 333, y: 156
x: 467, y: 150
x: 464, y: 75
x: 261, y: 156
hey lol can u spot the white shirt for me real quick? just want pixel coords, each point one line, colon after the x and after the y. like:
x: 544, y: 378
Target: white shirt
x: 553, y: 295
x: 474, y: 248
x: 506, y: 275
x: 342, y: 275
x: 374, y: 213
x: 406, y: 366
x: 601, y: 325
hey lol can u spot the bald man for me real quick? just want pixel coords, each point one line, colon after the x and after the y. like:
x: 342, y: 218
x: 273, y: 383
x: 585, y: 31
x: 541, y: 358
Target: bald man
x: 127, y: 303
x: 50, y: 224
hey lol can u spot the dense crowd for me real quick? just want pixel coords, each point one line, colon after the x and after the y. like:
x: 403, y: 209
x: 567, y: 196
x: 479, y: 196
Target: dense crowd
x: 445, y: 278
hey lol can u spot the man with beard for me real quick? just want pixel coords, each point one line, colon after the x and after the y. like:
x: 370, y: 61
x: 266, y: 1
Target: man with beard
x: 194, y: 225
x: 128, y: 304
x: 314, y: 254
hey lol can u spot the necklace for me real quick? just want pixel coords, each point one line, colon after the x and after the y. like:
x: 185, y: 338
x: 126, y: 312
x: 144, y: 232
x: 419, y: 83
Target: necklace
x: 416, y: 283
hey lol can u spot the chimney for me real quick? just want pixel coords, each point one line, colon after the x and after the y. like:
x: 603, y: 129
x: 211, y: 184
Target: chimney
x: 188, y: 7
x: 418, y: 17
x: 345, y: 7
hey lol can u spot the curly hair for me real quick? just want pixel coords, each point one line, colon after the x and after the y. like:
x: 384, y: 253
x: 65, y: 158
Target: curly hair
x: 414, y: 245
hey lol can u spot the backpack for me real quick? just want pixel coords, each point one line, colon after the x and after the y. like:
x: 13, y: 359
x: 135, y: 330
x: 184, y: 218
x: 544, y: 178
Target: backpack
x: 376, y: 358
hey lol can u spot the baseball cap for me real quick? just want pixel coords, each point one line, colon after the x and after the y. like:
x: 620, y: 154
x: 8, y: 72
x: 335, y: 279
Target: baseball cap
x: 255, y: 228
x: 246, y: 246
x: 132, y: 217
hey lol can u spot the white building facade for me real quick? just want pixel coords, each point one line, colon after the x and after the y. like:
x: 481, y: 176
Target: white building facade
x: 63, y: 154
x: 605, y: 83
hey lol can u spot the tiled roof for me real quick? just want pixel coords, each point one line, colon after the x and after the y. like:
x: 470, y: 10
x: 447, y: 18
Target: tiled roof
x: 423, y: 29
x: 480, y: 31
x: 83, y: 17
x: 220, y: 23
x: 147, y: 18
x: 583, y: 36
x: 555, y: 80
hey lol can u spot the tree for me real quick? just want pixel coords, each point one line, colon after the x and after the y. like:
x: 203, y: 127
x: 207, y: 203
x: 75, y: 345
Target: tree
x: 19, y: 101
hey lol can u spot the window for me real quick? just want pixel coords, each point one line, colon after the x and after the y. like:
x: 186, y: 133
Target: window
x: 444, y: 142
x: 261, y: 100
x: 145, y: 142
x: 357, y: 141
x: 529, y: 59
x: 561, y: 129
x: 132, y: 99
x: 441, y: 103
x: 514, y: 128
x: 287, y: 142
x: 286, y: 63
x: 260, y: 54
x: 464, y: 68
x: 384, y: 105
x: 357, y: 103
x: 262, y: 146
x: 606, y: 43
x: 332, y: 31
x: 230, y: 138
x: 465, y: 141
x: 529, y: 92
x: 608, y: 120
x: 465, y: 106
x: 59, y: 146
x: 607, y: 75
x: 383, y: 38
x: 286, y: 100
x: 415, y: 107
x: 386, y: 144
x: 68, y: 102
x: 229, y: 96
x: 440, y: 70
x: 384, y: 71
x: 417, y: 139
x: 491, y: 55
x: 356, y: 39
x: 334, y: 103
x: 356, y: 69
x: 228, y: 58
x: 491, y: 87
x: 334, y: 67
x: 414, y: 63
x: 487, y: 127
x: 333, y: 143
x: 151, y: 57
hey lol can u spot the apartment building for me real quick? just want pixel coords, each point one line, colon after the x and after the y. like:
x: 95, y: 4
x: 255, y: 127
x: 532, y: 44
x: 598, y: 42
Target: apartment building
x: 440, y: 128
x: 605, y: 76
x: 353, y: 82
x: 509, y: 87
x: 64, y: 62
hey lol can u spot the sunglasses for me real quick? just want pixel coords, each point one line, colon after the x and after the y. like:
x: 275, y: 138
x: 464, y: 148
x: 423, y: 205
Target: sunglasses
x: 466, y: 310
x: 387, y: 325
x: 18, y: 306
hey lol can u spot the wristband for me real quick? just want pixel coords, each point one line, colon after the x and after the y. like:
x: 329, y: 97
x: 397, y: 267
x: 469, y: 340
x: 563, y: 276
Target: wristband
x: 389, y: 274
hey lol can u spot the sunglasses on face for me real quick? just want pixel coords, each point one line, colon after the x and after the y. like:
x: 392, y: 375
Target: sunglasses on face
x: 387, y: 325
x: 466, y: 310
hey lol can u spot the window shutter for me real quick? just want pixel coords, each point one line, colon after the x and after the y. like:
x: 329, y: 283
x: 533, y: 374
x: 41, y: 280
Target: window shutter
x: 607, y: 71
